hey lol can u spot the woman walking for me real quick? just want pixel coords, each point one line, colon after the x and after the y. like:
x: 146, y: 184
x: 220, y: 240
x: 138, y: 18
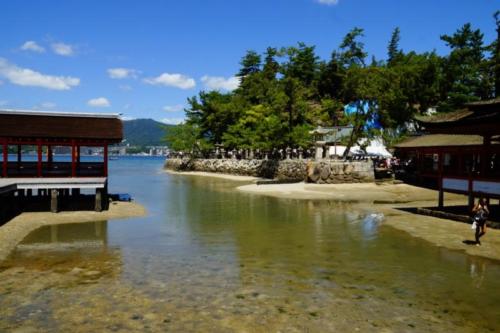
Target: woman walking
x: 481, y: 212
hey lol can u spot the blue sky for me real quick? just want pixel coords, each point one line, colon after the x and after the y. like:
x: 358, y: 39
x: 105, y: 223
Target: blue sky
x: 144, y: 58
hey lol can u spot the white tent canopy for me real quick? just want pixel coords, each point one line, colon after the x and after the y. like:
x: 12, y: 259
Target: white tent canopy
x: 376, y: 148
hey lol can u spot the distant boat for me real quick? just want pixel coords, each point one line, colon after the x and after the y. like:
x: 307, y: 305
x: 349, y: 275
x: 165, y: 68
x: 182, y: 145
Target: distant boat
x: 113, y: 158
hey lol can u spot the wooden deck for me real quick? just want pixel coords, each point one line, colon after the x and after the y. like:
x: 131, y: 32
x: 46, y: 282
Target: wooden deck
x: 13, y: 184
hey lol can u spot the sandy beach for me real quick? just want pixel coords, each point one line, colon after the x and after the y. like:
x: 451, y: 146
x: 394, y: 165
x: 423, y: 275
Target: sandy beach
x: 360, y: 192
x: 20, y: 226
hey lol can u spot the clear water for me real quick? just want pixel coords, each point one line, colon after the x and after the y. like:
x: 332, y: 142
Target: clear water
x: 210, y: 259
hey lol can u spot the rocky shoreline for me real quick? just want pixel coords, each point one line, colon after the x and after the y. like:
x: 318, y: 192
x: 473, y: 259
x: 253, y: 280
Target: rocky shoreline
x: 319, y: 172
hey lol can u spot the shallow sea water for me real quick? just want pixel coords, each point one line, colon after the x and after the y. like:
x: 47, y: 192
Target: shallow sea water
x: 210, y: 259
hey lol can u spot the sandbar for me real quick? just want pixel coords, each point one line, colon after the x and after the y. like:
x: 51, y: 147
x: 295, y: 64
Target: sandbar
x: 14, y: 231
x: 357, y: 192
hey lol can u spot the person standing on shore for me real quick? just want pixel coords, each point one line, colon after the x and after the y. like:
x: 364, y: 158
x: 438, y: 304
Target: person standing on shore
x: 480, y: 212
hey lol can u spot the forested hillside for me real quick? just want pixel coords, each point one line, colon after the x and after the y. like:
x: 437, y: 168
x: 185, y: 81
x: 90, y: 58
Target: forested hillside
x: 145, y: 132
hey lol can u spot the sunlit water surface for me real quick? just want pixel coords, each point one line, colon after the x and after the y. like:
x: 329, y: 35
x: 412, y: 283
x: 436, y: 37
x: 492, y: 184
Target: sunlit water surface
x: 208, y: 258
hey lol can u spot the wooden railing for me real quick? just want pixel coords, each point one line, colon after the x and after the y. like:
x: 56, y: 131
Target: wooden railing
x: 55, y: 169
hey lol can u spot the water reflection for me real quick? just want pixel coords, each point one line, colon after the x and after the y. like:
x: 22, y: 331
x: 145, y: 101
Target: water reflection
x: 67, y: 236
x: 209, y: 258
x: 64, y: 246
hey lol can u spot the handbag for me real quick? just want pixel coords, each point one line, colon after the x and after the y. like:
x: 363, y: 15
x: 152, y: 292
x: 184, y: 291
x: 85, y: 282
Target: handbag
x: 474, y: 225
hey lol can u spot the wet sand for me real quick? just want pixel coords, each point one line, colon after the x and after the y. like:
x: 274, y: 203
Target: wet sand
x: 389, y: 199
x: 20, y: 226
x: 444, y: 233
x: 362, y: 192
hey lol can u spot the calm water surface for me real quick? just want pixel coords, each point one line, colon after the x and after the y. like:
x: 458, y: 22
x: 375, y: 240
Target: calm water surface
x: 210, y: 259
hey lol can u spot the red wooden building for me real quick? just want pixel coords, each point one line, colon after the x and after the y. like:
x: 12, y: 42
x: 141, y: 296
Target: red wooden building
x: 43, y: 132
x: 461, y: 153
x: 28, y: 140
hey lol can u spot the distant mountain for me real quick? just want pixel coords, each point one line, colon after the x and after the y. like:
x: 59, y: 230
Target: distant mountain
x: 145, y: 132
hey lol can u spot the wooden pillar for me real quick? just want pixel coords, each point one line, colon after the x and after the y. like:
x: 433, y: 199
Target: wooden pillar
x: 78, y: 151
x: 485, y: 156
x: 49, y: 155
x: 441, y: 198
x: 105, y: 198
x: 470, y: 195
x: 98, y: 199
x: 105, y: 160
x: 39, y: 164
x: 54, y: 204
x: 73, y: 159
x: 461, y: 168
x: 440, y: 181
x: 101, y: 198
x: 5, y: 158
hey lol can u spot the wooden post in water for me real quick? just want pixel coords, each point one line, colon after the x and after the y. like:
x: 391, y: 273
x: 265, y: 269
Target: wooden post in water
x: 54, y: 205
x: 98, y: 199
x: 105, y: 151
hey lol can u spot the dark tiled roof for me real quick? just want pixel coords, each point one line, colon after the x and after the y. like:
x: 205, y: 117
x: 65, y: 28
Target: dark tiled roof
x: 441, y: 140
x: 43, y: 125
x: 495, y: 101
x: 445, y: 117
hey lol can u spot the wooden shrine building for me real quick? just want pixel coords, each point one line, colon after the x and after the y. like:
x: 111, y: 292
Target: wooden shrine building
x: 460, y: 153
x: 29, y: 140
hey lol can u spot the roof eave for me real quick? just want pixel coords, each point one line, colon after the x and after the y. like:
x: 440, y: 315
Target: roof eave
x: 60, y: 113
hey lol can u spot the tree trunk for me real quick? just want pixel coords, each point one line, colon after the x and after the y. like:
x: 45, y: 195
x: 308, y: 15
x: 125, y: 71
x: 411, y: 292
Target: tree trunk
x: 354, y: 134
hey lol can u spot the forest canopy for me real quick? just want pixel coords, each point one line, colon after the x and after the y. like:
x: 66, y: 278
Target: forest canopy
x: 285, y: 92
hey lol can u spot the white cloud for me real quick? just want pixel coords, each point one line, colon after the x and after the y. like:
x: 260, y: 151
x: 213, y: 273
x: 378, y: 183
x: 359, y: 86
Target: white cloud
x: 32, y: 46
x: 125, y: 87
x: 28, y: 77
x: 173, y: 121
x: 100, y: 102
x: 220, y: 83
x: 63, y: 49
x: 122, y: 73
x: 172, y: 80
x: 328, y: 2
x: 173, y: 108
x: 47, y: 105
x: 125, y: 118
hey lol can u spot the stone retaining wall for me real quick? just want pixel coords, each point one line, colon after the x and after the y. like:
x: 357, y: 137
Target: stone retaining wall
x: 320, y: 172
